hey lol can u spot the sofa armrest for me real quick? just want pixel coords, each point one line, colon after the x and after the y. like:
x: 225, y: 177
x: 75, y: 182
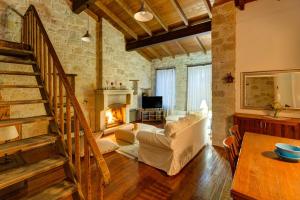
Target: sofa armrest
x: 157, y: 139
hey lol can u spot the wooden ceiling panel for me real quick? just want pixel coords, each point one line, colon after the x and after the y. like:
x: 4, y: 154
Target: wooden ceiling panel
x: 206, y: 40
x: 126, y: 18
x: 190, y: 44
x: 167, y: 11
x: 162, y: 36
x: 173, y: 47
x: 192, y: 8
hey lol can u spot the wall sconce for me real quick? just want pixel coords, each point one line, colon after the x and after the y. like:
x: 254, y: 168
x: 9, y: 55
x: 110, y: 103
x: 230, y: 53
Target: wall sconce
x: 228, y: 78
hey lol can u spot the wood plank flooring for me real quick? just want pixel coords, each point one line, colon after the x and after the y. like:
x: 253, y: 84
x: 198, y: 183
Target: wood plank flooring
x: 207, y: 176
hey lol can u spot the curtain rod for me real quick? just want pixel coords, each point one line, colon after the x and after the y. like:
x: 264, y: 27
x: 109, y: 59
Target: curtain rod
x: 165, y: 68
x: 200, y: 64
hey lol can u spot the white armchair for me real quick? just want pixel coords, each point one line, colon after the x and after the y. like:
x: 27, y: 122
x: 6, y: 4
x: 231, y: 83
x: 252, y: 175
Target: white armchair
x: 171, y: 149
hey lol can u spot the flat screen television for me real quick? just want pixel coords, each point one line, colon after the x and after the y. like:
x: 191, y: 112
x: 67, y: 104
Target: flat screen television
x: 151, y: 102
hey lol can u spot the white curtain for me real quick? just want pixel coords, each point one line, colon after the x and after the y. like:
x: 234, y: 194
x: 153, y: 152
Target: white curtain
x: 199, y: 88
x: 165, y: 87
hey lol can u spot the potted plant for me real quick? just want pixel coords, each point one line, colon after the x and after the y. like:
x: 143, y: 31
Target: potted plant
x: 276, y: 107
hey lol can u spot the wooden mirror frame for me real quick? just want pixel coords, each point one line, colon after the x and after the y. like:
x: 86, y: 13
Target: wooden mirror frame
x: 243, y: 92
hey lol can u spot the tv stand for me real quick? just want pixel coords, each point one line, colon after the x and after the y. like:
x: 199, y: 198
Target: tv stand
x: 152, y: 114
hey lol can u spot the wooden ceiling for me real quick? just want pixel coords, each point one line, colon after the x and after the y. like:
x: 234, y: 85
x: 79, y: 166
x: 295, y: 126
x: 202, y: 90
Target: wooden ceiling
x: 178, y: 26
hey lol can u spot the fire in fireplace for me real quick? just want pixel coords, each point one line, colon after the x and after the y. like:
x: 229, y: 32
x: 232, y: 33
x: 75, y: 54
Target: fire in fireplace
x: 114, y: 115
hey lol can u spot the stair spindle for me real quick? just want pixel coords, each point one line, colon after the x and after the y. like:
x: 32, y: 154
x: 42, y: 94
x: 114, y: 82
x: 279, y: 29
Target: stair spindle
x: 68, y: 123
x: 87, y: 168
x: 61, y: 109
x: 55, y: 93
x: 77, y: 147
x: 50, y: 81
x: 46, y: 57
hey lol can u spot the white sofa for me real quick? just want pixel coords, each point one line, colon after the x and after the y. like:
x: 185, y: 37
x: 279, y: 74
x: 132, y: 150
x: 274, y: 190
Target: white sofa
x: 170, y: 149
x: 174, y: 115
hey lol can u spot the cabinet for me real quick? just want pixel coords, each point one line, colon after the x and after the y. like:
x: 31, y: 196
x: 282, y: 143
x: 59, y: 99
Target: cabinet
x: 281, y: 127
x: 152, y: 114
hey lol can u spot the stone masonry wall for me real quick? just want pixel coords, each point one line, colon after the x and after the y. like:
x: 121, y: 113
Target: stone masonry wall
x: 65, y: 30
x: 223, y: 61
x: 122, y: 66
x: 180, y: 63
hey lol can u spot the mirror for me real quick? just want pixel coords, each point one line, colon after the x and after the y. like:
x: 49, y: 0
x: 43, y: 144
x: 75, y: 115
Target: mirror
x: 261, y: 89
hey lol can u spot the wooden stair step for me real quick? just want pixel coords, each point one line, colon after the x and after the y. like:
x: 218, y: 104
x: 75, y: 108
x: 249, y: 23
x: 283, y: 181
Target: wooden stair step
x: 17, y: 61
x: 14, y: 45
x: 16, y: 121
x: 61, y: 190
x: 20, y: 102
x: 21, y: 86
x: 16, y: 175
x: 27, y: 144
x: 7, y: 51
x: 18, y: 73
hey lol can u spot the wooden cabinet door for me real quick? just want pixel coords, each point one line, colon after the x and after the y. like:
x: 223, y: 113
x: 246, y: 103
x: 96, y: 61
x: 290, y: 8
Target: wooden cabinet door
x: 281, y: 129
x: 248, y: 125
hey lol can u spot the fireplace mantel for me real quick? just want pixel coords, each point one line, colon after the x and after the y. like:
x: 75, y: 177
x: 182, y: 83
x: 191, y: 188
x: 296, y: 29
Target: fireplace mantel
x: 103, y: 100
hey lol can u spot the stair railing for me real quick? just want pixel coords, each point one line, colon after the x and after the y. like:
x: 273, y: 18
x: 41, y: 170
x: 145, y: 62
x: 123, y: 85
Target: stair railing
x: 58, y: 88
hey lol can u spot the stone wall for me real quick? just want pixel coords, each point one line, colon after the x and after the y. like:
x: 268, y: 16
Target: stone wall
x: 180, y: 63
x: 223, y: 61
x: 65, y: 30
x: 122, y: 66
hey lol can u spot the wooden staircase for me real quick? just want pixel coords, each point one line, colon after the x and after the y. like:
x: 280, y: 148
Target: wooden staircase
x: 47, y: 166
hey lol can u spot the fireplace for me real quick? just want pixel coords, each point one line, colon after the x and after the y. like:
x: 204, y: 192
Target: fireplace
x: 115, y: 115
x: 112, y: 109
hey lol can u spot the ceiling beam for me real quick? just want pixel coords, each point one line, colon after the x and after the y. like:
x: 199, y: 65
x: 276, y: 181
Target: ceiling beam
x: 157, y: 17
x: 131, y: 13
x: 238, y: 3
x: 80, y: 5
x: 169, y: 36
x: 153, y: 52
x: 165, y: 48
x: 208, y: 7
x: 109, y: 14
x: 201, y: 44
x: 182, y: 48
x: 180, y: 12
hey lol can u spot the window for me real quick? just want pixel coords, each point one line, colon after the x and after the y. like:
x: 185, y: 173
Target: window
x: 165, y: 87
x: 199, y: 87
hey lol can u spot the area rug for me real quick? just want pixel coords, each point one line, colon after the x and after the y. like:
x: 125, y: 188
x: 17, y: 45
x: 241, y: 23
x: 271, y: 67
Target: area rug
x: 127, y: 149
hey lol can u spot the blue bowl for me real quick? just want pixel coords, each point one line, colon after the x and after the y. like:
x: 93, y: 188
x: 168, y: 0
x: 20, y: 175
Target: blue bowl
x: 288, y: 150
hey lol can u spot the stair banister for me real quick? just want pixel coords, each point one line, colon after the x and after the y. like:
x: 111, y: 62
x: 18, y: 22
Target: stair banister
x: 35, y: 34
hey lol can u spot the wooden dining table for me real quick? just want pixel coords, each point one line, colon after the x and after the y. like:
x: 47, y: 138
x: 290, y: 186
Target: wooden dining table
x: 261, y: 174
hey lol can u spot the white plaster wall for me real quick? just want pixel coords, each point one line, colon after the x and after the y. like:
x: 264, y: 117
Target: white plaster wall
x: 267, y: 38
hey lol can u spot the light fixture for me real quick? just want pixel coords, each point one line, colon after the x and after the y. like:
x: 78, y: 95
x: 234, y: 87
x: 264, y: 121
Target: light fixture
x: 87, y: 37
x: 143, y: 15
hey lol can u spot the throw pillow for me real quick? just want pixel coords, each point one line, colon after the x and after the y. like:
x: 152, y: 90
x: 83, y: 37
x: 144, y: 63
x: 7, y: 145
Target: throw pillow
x: 106, y: 145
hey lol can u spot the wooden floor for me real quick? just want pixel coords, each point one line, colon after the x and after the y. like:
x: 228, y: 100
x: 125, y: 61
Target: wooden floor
x: 207, y: 176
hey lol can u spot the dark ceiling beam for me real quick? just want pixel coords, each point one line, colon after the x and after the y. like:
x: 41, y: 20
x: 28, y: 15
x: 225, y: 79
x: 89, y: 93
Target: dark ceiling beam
x: 80, y: 5
x: 208, y: 7
x: 169, y: 36
x: 180, y: 12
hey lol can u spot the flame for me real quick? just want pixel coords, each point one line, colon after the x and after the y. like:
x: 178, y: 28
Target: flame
x: 109, y: 116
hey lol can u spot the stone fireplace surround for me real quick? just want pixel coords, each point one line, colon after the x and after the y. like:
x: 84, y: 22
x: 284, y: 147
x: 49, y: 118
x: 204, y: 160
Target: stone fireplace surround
x: 106, y: 98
